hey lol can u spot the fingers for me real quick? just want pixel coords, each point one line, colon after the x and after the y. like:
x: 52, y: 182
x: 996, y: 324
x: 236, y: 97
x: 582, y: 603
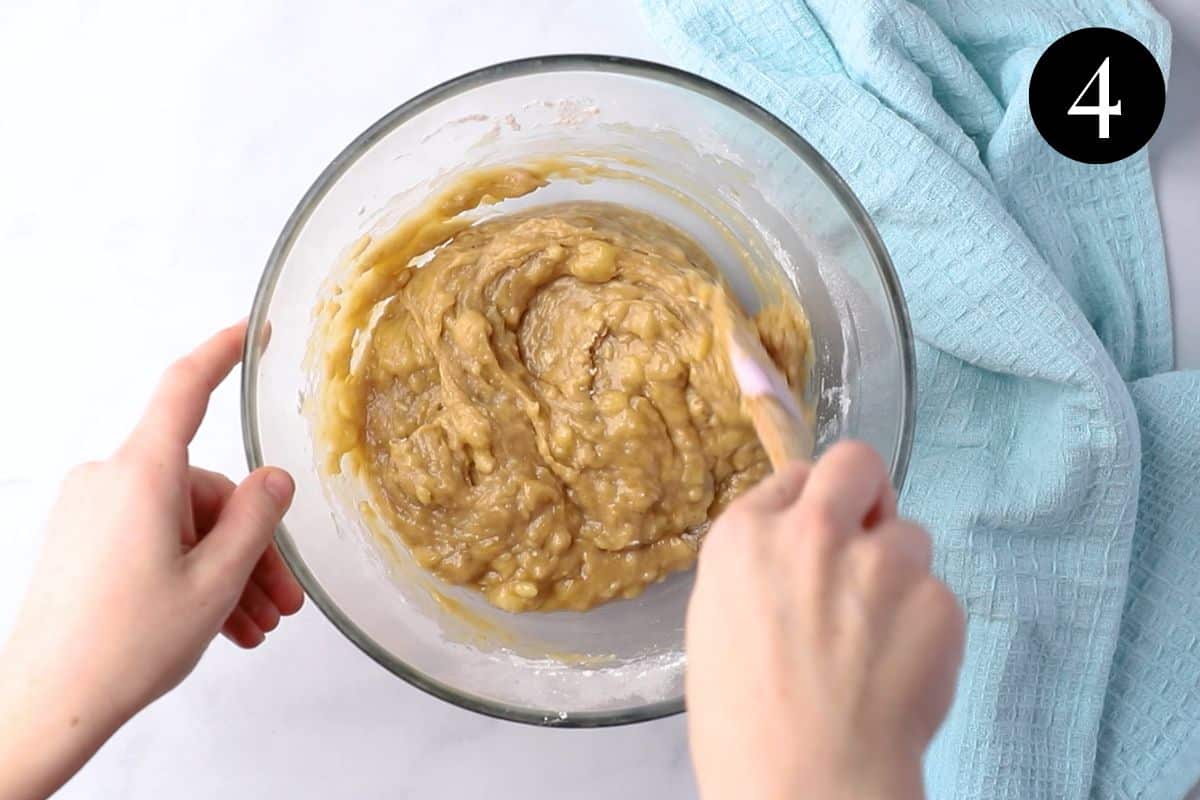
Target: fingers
x: 241, y: 630
x: 276, y: 580
x: 272, y: 591
x: 935, y: 631
x: 181, y: 399
x: 210, y: 491
x: 906, y: 542
x: 884, y: 510
x: 259, y: 608
x: 890, y: 563
x: 777, y: 491
x: 845, y: 485
x: 227, y: 555
x: 937, y: 623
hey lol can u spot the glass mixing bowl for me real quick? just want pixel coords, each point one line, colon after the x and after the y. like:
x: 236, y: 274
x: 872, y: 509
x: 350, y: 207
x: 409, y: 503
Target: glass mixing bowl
x: 739, y: 181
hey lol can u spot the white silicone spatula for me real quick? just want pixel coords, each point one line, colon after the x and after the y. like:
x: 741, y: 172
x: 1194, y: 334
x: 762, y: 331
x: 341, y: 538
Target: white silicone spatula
x: 772, y: 407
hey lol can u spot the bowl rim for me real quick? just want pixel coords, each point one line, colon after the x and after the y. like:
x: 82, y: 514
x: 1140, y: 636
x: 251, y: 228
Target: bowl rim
x: 570, y: 62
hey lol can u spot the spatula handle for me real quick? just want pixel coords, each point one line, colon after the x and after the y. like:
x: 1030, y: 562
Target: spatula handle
x: 784, y: 437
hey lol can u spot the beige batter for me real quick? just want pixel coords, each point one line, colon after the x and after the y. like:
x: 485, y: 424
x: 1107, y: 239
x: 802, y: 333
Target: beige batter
x: 537, y: 402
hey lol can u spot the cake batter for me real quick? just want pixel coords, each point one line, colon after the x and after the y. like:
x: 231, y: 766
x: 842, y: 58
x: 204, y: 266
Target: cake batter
x: 537, y: 402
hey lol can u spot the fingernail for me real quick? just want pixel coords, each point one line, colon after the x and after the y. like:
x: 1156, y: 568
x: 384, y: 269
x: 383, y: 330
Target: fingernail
x: 279, y: 486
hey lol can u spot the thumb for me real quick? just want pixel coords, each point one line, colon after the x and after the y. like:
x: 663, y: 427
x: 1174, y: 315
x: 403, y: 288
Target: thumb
x: 227, y: 554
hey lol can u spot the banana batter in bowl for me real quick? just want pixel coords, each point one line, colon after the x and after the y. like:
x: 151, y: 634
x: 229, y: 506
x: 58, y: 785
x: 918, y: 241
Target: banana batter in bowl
x: 537, y: 403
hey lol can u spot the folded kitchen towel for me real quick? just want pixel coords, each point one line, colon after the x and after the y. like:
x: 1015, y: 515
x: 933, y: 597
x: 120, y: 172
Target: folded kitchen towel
x: 1056, y: 458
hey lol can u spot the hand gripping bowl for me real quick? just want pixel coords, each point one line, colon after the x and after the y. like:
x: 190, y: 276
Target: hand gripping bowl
x: 730, y: 174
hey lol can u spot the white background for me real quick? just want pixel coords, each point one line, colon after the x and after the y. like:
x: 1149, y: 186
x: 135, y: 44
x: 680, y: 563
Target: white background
x: 148, y: 158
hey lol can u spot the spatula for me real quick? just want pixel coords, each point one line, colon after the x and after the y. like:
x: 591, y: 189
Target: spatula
x: 772, y: 407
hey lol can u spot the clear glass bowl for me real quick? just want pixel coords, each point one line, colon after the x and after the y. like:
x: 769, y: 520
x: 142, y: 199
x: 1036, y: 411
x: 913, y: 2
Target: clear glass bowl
x: 739, y: 181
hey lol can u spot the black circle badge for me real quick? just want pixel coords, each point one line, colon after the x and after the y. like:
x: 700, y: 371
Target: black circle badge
x: 1097, y: 95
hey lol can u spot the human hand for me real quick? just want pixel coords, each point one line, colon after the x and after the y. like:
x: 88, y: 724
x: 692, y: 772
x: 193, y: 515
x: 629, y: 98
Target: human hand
x: 822, y: 655
x: 145, y: 560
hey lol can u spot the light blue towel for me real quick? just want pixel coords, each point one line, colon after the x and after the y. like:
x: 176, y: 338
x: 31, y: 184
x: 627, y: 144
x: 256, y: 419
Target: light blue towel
x: 1056, y: 460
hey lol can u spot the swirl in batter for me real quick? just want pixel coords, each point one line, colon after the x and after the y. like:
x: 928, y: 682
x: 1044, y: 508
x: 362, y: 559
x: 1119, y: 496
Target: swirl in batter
x: 540, y: 409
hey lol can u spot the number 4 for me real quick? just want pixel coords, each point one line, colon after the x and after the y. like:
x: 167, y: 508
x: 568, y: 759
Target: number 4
x: 1103, y: 110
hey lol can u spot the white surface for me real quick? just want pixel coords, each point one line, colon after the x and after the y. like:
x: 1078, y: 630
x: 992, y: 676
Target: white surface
x: 148, y: 158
